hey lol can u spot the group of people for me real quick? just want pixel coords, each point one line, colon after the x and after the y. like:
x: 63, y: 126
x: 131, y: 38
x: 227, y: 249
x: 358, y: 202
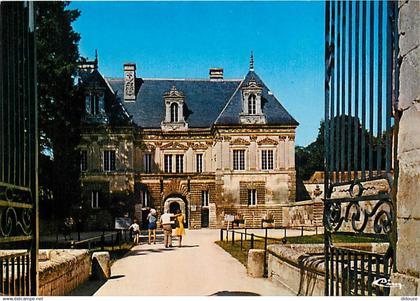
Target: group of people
x: 166, y: 220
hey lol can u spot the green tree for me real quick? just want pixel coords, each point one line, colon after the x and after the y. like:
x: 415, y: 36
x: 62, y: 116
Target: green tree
x: 311, y: 158
x: 59, y: 106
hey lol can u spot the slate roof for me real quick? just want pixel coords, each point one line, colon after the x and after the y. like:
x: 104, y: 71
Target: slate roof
x: 274, y: 112
x: 208, y: 102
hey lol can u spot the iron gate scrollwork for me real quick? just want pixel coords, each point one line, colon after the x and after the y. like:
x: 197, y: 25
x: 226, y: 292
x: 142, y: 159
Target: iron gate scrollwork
x: 18, y: 151
x: 361, y: 86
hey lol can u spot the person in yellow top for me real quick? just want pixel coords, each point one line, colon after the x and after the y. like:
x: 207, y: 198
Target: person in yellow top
x: 179, y: 226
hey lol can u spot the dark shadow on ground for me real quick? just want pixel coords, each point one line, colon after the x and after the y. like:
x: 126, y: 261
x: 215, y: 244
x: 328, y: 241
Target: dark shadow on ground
x: 234, y: 293
x: 88, y: 288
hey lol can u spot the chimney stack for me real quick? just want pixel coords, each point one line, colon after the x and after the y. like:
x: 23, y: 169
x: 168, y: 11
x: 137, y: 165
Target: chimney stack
x: 216, y: 73
x: 129, y: 82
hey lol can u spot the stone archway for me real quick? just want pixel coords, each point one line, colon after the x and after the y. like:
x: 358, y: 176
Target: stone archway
x: 169, y: 204
x: 174, y: 202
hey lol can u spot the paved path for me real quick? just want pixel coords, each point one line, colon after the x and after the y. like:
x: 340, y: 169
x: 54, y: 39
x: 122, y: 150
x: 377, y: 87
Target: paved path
x: 200, y: 268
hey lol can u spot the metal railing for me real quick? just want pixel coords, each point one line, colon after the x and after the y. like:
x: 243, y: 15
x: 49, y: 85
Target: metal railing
x: 114, y: 240
x: 241, y: 237
x: 14, y: 274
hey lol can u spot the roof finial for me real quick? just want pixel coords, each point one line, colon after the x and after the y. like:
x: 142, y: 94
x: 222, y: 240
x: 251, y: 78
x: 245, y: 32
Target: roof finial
x: 96, y: 59
x: 251, y: 62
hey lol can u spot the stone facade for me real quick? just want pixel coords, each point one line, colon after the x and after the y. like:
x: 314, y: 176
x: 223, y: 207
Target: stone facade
x: 206, y: 171
x: 408, y: 212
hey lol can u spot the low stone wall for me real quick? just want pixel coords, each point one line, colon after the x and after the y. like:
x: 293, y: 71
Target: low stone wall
x: 306, y: 213
x: 61, y: 271
x: 301, y: 267
x: 252, y: 215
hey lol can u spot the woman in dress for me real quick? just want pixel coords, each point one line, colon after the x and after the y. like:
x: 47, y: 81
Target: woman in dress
x: 151, y: 218
x: 179, y: 230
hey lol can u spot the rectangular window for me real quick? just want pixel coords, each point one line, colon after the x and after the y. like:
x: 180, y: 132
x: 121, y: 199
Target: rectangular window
x: 239, y: 159
x: 94, y: 199
x: 109, y: 160
x: 83, y: 160
x: 204, y: 198
x: 168, y: 163
x: 267, y: 159
x: 252, y: 197
x: 199, y: 162
x: 179, y: 163
x: 146, y: 198
x: 147, y: 161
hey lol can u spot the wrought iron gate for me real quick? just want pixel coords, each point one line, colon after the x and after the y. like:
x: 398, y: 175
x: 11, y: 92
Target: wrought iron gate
x: 18, y: 151
x: 361, y: 86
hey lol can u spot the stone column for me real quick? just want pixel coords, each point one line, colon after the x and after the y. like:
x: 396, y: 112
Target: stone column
x: 408, y: 201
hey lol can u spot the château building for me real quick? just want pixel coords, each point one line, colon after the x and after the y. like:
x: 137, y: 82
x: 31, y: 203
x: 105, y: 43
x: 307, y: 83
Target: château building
x: 209, y: 147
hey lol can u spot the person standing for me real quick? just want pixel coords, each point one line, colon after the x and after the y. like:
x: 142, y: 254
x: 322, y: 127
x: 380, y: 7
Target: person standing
x: 151, y: 218
x: 179, y: 230
x: 165, y: 221
x: 136, y: 231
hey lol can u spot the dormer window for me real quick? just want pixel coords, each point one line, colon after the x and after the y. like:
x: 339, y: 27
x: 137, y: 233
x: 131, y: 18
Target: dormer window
x: 94, y: 103
x: 252, y: 112
x: 252, y: 104
x: 174, y: 111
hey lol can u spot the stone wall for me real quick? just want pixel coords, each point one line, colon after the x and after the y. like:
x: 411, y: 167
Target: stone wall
x: 308, y: 213
x: 301, y: 267
x: 62, y: 271
x: 408, y: 201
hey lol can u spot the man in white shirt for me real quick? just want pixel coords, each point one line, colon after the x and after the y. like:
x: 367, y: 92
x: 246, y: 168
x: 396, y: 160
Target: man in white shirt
x: 165, y: 221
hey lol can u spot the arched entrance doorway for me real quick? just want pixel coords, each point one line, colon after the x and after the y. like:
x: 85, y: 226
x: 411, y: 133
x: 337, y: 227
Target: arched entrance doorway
x: 173, y: 203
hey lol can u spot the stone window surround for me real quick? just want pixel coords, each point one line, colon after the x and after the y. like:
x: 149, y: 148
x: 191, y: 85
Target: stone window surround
x: 108, y: 148
x: 145, y: 197
x: 95, y: 106
x: 205, y: 198
x: 148, y: 165
x: 252, y: 197
x: 203, y: 160
x: 246, y: 158
x: 173, y: 154
x: 259, y: 155
x: 95, y: 199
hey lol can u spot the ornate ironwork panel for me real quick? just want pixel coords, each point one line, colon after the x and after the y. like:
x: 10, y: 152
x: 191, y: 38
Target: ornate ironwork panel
x: 361, y: 86
x: 18, y: 150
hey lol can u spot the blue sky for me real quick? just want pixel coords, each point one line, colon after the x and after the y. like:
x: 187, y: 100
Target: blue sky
x: 185, y: 39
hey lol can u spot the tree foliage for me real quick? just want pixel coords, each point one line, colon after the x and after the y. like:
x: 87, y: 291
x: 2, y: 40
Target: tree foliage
x: 310, y: 159
x: 59, y: 106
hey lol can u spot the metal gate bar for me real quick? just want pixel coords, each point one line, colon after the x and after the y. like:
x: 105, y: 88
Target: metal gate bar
x: 18, y: 150
x: 361, y: 88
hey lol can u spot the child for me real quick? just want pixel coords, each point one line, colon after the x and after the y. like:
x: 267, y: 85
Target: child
x: 136, y: 230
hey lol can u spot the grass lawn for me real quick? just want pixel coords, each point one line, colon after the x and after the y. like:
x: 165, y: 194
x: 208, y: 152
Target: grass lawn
x: 241, y: 254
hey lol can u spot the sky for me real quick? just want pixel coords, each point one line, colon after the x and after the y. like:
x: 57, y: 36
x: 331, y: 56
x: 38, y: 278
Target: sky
x: 185, y: 39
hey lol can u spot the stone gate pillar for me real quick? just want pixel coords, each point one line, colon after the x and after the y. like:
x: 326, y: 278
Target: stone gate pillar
x: 408, y: 197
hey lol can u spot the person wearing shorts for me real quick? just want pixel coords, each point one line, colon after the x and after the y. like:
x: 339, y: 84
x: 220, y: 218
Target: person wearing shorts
x: 136, y: 232
x: 151, y: 218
